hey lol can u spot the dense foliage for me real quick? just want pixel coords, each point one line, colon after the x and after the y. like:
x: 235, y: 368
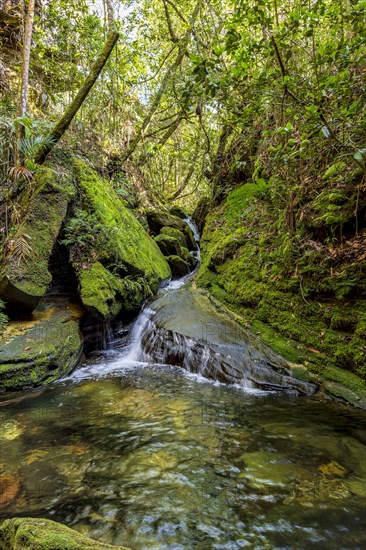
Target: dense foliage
x: 198, y: 97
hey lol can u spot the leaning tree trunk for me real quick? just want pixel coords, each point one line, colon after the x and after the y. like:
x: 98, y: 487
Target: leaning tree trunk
x: 22, y: 104
x: 65, y: 121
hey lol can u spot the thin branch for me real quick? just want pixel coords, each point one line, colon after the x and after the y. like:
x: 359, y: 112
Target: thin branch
x: 178, y: 12
x: 173, y: 36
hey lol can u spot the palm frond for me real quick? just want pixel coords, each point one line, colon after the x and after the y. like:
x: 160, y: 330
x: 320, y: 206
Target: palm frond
x: 28, y: 146
x: 17, y: 174
x: 19, y: 248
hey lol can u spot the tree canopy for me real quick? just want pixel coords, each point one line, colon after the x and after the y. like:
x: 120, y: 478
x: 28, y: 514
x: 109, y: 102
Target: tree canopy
x: 198, y: 95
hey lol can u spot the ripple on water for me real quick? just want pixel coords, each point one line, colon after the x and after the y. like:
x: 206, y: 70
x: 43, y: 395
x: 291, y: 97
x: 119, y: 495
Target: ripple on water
x: 152, y: 458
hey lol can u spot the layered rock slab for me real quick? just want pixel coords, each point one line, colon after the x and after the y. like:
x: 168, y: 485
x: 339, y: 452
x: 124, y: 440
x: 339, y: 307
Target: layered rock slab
x: 188, y: 330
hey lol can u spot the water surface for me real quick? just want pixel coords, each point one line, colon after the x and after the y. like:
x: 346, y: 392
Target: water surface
x: 150, y: 457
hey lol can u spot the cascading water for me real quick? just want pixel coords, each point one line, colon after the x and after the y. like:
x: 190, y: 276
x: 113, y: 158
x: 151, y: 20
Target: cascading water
x: 143, y: 456
x: 182, y: 328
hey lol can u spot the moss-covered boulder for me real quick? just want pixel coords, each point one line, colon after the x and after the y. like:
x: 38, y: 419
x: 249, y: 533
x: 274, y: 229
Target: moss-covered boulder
x: 44, y: 534
x: 178, y: 266
x: 24, y: 275
x: 178, y: 211
x: 168, y: 245
x: 176, y: 233
x: 158, y: 220
x: 37, y: 352
x: 126, y: 265
x: 105, y: 294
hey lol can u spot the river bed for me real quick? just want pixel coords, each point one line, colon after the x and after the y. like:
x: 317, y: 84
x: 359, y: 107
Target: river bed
x: 152, y: 457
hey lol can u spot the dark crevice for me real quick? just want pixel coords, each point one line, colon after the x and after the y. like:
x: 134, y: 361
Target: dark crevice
x: 64, y: 282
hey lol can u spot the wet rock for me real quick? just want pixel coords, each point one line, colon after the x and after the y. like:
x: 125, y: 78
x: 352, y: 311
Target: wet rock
x: 178, y: 211
x: 176, y: 233
x: 44, y: 534
x: 158, y: 220
x: 188, y: 330
x: 178, y: 266
x: 168, y: 245
x: 40, y: 352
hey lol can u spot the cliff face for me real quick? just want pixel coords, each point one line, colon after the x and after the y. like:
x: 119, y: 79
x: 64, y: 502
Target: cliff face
x: 76, y: 242
x: 305, y: 299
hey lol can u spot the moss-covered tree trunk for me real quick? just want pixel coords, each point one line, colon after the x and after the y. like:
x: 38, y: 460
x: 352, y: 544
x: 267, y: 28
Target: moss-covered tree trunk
x: 65, y: 121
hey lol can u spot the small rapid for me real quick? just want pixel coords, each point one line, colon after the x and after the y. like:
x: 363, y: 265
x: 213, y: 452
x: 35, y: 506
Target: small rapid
x: 173, y: 442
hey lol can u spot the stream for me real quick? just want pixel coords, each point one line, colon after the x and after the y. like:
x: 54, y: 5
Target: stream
x: 132, y: 451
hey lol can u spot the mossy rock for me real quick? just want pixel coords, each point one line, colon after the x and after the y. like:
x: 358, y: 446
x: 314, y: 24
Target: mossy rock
x: 245, y: 265
x: 168, y: 245
x: 105, y: 295
x: 40, y: 352
x: 158, y: 220
x: 126, y: 252
x: 44, y: 534
x: 176, y: 233
x: 24, y: 280
x: 178, y: 266
x: 178, y: 211
x: 187, y: 257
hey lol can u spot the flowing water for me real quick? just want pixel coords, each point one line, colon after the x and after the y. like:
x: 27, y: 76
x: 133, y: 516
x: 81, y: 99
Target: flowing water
x: 151, y: 457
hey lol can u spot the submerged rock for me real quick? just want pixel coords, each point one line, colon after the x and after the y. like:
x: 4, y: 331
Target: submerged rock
x: 188, y: 330
x: 44, y: 534
x: 40, y: 352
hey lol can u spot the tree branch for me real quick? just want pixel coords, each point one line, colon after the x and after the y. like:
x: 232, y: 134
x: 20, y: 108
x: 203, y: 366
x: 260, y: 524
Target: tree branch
x: 65, y: 121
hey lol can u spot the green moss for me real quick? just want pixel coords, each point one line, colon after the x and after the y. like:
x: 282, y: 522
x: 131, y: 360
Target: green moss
x: 176, y: 233
x: 24, y: 279
x: 41, y: 353
x: 168, y: 245
x: 128, y: 242
x: 105, y: 294
x: 178, y: 211
x: 125, y: 266
x: 44, y: 534
x: 254, y: 269
x: 178, y: 266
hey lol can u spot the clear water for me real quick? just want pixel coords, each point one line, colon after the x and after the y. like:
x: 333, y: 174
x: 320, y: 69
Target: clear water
x: 150, y: 457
